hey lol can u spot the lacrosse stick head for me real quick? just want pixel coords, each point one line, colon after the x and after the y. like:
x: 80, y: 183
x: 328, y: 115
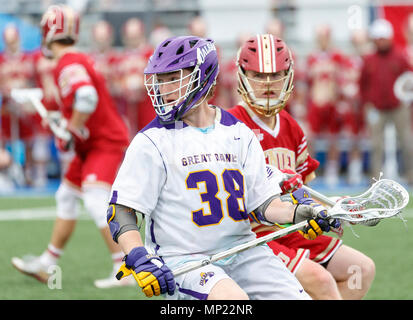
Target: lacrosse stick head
x: 384, y: 199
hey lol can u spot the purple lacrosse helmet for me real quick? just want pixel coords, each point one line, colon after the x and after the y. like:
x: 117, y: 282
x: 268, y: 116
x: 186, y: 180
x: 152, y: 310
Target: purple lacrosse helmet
x: 176, y: 54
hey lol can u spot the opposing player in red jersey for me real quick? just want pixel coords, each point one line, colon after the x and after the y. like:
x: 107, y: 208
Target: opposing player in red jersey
x: 16, y: 72
x: 265, y: 73
x: 136, y: 106
x: 323, y: 114
x: 97, y: 134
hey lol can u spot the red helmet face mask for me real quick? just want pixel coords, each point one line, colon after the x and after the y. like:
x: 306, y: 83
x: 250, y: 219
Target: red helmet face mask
x: 265, y: 74
x: 59, y: 22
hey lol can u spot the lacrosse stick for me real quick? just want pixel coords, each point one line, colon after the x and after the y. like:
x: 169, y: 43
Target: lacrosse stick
x: 34, y: 97
x: 384, y: 199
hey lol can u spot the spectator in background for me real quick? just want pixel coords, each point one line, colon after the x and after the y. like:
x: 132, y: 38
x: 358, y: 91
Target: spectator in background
x: 229, y: 79
x: 378, y: 75
x: 159, y: 33
x: 353, y: 125
x: 137, y: 107
x: 323, y: 93
x: 16, y: 72
x: 103, y: 53
x: 198, y: 27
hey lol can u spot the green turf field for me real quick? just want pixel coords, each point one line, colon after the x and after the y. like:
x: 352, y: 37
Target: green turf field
x: 86, y: 257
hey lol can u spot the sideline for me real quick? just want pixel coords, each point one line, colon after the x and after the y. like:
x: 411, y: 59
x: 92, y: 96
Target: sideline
x: 40, y: 213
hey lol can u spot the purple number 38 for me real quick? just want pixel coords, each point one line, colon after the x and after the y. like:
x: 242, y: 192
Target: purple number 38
x: 234, y: 185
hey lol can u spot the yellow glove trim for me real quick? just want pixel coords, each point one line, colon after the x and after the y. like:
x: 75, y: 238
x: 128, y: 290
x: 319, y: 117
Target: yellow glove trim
x: 312, y: 231
x: 146, y: 280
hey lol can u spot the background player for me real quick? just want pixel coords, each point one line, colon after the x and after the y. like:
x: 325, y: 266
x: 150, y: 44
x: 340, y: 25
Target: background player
x: 207, y: 172
x: 16, y: 72
x: 266, y: 73
x: 98, y: 136
x: 137, y: 108
x: 323, y: 94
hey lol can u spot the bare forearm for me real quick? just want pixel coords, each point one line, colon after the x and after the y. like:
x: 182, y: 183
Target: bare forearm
x: 78, y: 119
x: 279, y: 211
x: 130, y: 240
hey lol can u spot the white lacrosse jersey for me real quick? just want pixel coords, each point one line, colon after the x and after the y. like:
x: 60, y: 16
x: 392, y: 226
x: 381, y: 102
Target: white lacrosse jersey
x: 195, y: 188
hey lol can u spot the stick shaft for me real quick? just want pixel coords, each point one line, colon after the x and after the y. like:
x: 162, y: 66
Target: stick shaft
x: 251, y: 244
x: 42, y: 111
x: 319, y: 196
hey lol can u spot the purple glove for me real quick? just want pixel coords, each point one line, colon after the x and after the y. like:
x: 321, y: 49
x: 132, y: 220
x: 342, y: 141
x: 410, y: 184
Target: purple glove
x: 307, y: 208
x: 153, y: 276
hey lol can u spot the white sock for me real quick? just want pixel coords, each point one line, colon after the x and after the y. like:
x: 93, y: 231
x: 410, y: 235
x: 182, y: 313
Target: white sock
x: 51, y: 255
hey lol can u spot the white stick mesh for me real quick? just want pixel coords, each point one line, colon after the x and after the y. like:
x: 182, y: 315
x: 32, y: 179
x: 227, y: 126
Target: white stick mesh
x: 384, y: 199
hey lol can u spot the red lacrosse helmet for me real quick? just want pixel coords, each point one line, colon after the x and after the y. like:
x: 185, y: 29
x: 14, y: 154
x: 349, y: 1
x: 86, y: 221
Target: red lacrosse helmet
x: 267, y: 56
x: 59, y: 22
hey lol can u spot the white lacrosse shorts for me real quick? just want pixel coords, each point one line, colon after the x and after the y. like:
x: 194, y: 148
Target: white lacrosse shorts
x: 260, y: 273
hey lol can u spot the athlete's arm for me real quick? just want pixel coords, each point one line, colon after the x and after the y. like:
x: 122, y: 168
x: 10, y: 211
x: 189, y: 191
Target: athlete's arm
x: 84, y: 105
x: 149, y: 270
x: 295, y: 208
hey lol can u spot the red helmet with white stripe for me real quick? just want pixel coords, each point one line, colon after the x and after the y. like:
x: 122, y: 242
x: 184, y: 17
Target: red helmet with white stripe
x: 265, y: 74
x: 59, y: 22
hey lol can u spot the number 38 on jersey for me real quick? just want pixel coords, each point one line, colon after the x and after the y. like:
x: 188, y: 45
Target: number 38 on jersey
x: 208, y: 184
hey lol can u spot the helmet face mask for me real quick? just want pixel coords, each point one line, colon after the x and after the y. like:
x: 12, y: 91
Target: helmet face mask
x: 180, y: 75
x: 265, y: 74
x: 266, y: 93
x: 169, y: 90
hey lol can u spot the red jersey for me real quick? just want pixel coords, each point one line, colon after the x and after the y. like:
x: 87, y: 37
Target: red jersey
x: 105, y: 125
x: 285, y: 147
x: 16, y: 71
x: 323, y: 77
x: 105, y: 63
x: 129, y: 68
x: 137, y: 105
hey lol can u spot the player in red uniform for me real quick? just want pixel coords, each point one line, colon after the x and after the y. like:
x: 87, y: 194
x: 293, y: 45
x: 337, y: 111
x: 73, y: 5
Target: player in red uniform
x: 16, y: 72
x: 265, y: 72
x: 353, y: 125
x: 97, y: 134
x: 323, y: 114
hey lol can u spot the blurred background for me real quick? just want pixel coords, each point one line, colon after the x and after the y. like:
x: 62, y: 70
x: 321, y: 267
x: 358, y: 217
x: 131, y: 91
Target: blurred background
x: 346, y: 70
x: 328, y: 39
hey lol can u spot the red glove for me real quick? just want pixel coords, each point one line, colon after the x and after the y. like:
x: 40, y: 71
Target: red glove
x: 291, y: 182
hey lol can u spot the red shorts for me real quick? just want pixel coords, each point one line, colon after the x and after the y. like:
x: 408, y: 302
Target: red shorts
x: 24, y: 126
x: 98, y: 165
x: 292, y: 249
x: 323, y: 119
x: 353, y: 121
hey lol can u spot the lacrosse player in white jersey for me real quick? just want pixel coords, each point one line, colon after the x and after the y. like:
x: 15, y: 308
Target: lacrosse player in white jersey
x: 196, y: 174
